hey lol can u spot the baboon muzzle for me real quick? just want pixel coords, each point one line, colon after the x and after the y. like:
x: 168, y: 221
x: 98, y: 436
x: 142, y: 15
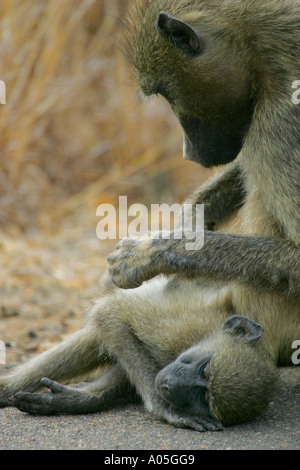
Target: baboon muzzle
x: 207, y: 145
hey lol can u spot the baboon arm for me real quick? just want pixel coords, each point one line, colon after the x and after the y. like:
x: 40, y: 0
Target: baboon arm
x: 141, y: 369
x: 266, y: 263
x: 222, y: 195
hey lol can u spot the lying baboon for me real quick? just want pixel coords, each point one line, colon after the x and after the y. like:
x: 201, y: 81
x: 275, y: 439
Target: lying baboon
x: 199, y: 341
x: 223, y: 371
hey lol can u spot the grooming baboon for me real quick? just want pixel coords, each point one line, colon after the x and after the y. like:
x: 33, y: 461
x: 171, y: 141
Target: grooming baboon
x: 226, y: 68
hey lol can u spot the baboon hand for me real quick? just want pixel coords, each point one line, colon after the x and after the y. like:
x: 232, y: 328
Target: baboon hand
x: 178, y: 418
x: 57, y: 401
x: 136, y: 260
x: 196, y: 423
x: 132, y: 262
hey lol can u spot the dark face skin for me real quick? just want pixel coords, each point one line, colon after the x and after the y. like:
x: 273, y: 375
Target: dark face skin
x: 209, y: 95
x: 183, y: 384
x: 209, y: 144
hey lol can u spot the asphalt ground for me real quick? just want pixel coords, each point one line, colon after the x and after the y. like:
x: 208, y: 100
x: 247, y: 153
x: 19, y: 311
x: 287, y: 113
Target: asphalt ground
x: 131, y: 428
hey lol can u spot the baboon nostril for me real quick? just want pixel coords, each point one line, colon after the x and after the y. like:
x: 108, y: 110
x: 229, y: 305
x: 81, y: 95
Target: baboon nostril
x: 165, y: 385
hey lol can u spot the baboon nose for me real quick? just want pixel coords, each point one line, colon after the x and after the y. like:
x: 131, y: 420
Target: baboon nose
x: 165, y: 386
x: 170, y: 382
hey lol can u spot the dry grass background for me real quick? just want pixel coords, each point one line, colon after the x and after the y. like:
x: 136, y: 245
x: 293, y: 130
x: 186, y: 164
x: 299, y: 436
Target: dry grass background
x: 72, y: 117
x: 72, y: 136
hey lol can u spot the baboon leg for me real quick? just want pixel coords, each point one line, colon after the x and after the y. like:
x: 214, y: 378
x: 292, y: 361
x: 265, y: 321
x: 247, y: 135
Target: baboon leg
x: 111, y: 388
x: 75, y: 356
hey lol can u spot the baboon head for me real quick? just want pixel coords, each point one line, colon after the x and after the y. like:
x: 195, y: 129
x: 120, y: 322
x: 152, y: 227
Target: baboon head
x: 228, y: 376
x: 190, y: 58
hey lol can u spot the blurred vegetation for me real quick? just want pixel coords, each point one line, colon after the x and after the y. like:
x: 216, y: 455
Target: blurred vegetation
x: 73, y: 132
x: 73, y: 135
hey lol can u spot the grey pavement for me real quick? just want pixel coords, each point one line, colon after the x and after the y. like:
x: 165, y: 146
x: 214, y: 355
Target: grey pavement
x: 131, y: 428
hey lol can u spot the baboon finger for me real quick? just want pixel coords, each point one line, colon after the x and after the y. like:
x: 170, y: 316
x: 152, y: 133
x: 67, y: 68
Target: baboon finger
x: 55, y: 387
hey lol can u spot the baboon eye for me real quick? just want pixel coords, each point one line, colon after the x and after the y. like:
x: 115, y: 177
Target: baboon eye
x: 206, y: 371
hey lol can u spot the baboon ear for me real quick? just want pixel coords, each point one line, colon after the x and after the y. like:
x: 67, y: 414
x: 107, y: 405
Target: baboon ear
x: 243, y: 327
x: 180, y: 33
